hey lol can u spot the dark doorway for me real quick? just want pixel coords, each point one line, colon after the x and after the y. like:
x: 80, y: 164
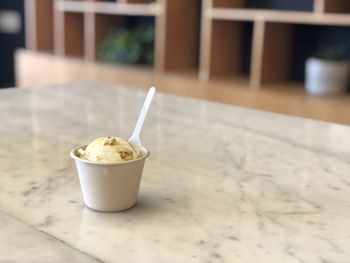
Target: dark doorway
x: 12, y: 37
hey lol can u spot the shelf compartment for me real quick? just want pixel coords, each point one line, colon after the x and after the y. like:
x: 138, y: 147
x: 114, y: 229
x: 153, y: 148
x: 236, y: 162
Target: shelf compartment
x: 180, y: 49
x: 286, y: 5
x: 73, y: 34
x: 332, y: 6
x: 103, y: 26
x: 105, y: 23
x: 310, y: 39
x: 272, y: 57
x: 39, y: 21
x: 282, y: 5
x: 229, y: 50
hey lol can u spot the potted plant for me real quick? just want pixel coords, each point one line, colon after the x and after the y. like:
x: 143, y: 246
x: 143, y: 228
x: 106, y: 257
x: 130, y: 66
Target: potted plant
x: 128, y: 46
x: 328, y: 72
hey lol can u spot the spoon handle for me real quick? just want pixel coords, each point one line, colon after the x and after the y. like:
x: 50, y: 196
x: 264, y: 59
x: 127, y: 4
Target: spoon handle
x: 135, y: 137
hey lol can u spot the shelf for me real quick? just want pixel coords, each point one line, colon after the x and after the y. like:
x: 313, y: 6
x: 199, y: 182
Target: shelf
x: 71, y: 6
x: 126, y: 9
x: 242, y: 81
x: 290, y: 87
x: 80, y: 25
x: 239, y: 38
x: 227, y: 3
x: 278, y: 16
x: 286, y: 47
x: 130, y: 9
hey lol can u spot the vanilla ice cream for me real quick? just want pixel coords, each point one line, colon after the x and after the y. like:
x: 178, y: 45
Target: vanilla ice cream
x: 108, y: 150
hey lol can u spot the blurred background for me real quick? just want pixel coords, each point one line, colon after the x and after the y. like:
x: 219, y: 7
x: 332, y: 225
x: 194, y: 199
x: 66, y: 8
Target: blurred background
x: 285, y: 56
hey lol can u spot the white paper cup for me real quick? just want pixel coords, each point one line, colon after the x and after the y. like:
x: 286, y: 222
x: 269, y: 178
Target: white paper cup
x: 109, y: 187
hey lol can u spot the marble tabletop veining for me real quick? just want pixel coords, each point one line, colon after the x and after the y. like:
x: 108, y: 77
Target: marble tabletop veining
x: 223, y: 184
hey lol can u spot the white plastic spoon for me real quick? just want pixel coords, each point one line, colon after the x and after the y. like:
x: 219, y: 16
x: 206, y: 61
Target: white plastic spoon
x: 134, y: 140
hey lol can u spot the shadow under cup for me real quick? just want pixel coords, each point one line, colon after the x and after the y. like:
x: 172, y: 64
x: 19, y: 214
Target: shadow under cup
x: 109, y: 187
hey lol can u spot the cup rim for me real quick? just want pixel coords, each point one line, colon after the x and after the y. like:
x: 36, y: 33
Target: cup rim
x: 75, y: 157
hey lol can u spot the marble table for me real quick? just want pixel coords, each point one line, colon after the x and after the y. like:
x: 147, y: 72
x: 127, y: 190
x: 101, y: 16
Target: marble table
x: 223, y: 184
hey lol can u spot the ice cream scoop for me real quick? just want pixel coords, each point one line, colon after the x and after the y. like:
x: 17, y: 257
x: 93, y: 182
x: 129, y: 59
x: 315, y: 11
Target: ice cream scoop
x: 108, y: 150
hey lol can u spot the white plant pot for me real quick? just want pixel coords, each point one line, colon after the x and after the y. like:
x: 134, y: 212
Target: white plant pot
x: 325, y: 77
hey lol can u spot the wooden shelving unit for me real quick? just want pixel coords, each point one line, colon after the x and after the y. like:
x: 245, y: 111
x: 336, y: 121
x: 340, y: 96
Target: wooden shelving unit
x: 247, y: 44
x: 75, y: 28
x: 272, y: 38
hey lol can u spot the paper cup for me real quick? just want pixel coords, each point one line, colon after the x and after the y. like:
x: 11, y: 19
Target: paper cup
x: 109, y: 187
